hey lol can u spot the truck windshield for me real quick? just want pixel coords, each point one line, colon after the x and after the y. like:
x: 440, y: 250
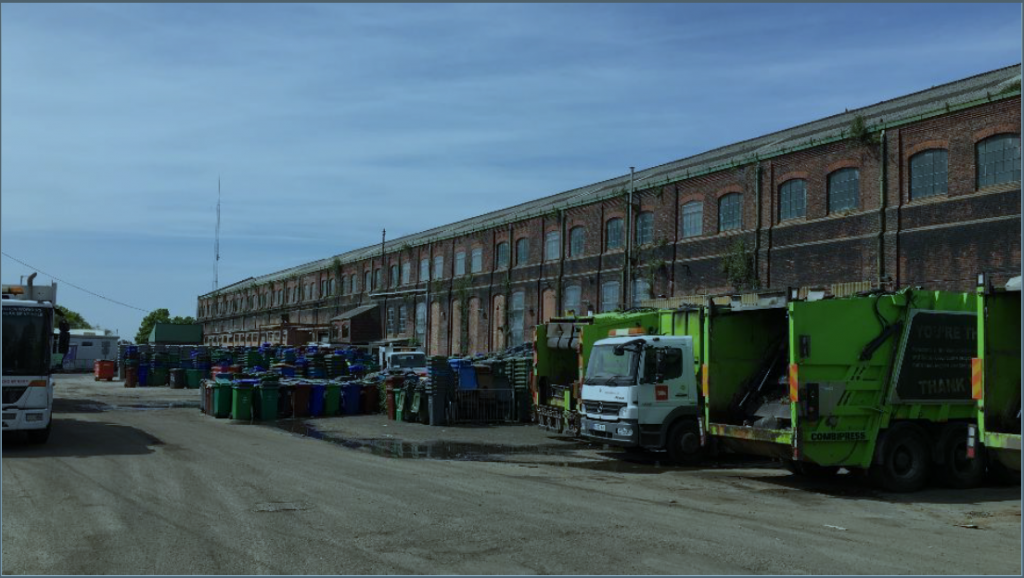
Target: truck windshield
x: 409, y: 360
x: 26, y: 340
x: 606, y: 368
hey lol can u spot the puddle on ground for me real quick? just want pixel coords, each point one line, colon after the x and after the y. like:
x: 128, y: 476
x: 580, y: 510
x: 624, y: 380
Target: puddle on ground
x: 101, y: 407
x: 430, y: 450
x: 564, y: 453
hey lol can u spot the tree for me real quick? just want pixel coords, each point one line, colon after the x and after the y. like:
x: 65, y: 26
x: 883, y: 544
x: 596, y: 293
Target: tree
x: 74, y: 319
x: 159, y: 316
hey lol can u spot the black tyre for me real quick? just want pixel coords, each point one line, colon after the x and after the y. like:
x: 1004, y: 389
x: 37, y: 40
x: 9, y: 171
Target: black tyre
x: 905, y: 462
x: 39, y: 436
x: 959, y: 471
x: 809, y: 470
x: 683, y: 443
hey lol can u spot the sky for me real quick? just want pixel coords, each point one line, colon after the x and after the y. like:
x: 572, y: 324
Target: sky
x: 326, y: 123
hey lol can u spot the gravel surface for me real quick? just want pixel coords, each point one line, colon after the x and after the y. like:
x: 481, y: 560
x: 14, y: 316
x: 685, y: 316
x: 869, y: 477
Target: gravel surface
x: 125, y: 489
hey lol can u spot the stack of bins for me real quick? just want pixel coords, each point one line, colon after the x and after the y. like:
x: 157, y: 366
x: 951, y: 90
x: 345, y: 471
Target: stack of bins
x: 158, y: 366
x: 121, y: 358
x: 442, y: 386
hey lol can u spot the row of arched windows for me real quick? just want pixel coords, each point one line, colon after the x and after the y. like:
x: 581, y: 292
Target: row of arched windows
x: 997, y: 161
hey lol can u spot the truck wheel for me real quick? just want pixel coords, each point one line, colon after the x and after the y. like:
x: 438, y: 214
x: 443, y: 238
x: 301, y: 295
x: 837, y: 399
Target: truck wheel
x: 39, y: 436
x: 809, y: 470
x: 958, y: 471
x: 905, y: 461
x: 683, y: 443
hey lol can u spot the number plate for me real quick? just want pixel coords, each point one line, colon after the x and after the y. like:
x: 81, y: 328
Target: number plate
x: 599, y: 427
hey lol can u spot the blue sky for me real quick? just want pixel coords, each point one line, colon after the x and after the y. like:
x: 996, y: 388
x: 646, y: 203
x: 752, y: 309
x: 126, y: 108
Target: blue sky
x: 328, y: 122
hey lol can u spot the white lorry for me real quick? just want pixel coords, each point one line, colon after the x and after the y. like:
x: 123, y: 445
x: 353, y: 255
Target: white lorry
x: 394, y: 358
x: 640, y: 391
x: 28, y: 312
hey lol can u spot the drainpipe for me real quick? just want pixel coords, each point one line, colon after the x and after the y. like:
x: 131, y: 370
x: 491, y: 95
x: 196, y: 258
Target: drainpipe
x: 899, y: 205
x: 675, y: 245
x: 881, y: 207
x: 626, y: 294
x: 757, y: 228
x: 427, y: 334
x: 561, y: 264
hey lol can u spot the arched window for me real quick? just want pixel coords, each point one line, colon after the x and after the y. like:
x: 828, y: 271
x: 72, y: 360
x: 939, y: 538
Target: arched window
x: 476, y: 261
x: 609, y: 296
x: 424, y: 271
x: 843, y: 190
x: 501, y: 256
x: 998, y: 160
x: 517, y: 317
x: 460, y: 263
x: 729, y: 212
x: 394, y: 275
x: 577, y: 241
x: 571, y: 299
x: 641, y: 291
x: 406, y: 272
x: 522, y: 251
x: 438, y: 266
x: 693, y: 219
x: 792, y: 199
x: 613, y: 234
x: 551, y: 246
x: 645, y: 228
x: 929, y: 173
x: 421, y: 323
x: 366, y: 281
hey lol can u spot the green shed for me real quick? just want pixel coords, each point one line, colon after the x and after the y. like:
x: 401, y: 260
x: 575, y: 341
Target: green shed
x: 177, y: 334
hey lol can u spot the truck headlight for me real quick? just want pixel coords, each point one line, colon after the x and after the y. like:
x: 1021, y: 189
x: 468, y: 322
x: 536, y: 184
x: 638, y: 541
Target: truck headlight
x: 624, y: 431
x: 623, y: 412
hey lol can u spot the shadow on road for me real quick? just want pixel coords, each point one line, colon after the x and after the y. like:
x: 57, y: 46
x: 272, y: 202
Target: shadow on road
x: 859, y: 488
x: 81, y: 439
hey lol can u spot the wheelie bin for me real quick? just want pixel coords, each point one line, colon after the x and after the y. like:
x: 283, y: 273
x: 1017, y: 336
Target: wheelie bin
x: 241, y: 400
x: 268, y: 401
x: 221, y: 398
x: 300, y: 399
x: 332, y: 399
x: 350, y: 398
x: 316, y: 400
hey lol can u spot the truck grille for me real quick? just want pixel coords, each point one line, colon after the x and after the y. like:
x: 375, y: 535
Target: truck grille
x: 13, y: 394
x: 603, y: 407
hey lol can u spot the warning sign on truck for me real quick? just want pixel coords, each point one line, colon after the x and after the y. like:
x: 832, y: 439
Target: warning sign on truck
x: 935, y: 362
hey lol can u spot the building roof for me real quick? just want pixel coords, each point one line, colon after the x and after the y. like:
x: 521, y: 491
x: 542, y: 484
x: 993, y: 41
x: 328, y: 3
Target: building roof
x: 965, y: 93
x: 354, y: 312
x: 176, y: 333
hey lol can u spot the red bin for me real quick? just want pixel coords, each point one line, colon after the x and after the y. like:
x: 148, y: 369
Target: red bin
x: 103, y: 369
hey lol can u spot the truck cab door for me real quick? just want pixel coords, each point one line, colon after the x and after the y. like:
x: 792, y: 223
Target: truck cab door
x: 676, y: 386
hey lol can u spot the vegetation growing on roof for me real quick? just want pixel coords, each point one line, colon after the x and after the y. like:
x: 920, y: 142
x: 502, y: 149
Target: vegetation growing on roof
x: 859, y: 132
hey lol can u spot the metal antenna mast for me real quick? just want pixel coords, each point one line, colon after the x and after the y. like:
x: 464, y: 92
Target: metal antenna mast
x: 216, y: 242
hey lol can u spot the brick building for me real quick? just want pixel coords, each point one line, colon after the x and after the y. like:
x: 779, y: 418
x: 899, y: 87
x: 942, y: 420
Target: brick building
x: 919, y: 190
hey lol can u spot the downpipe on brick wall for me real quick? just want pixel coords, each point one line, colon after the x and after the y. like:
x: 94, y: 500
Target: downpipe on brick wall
x: 883, y: 165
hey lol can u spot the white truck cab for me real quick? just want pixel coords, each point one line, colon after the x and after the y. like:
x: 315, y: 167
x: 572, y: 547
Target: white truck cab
x: 403, y: 359
x: 641, y: 391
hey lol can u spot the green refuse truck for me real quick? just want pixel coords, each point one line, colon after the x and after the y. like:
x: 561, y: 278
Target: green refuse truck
x: 995, y: 380
x: 877, y: 383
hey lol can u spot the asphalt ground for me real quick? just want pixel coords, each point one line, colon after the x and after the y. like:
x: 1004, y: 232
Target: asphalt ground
x: 137, y: 481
